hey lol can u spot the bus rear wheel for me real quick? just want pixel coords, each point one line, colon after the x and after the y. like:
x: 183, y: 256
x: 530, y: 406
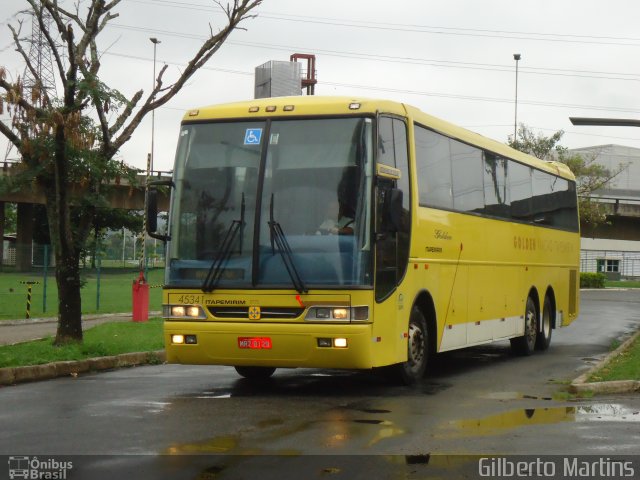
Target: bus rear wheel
x: 544, y: 334
x: 255, y: 373
x: 526, y: 344
x: 413, y: 369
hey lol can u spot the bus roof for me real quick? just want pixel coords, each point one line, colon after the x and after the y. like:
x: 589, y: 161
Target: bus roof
x: 297, y: 106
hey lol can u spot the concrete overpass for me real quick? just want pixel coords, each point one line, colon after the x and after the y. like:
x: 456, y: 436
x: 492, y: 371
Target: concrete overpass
x: 122, y: 194
x: 622, y: 208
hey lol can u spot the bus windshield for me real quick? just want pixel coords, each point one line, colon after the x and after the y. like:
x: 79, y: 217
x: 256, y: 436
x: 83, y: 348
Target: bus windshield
x: 236, y: 183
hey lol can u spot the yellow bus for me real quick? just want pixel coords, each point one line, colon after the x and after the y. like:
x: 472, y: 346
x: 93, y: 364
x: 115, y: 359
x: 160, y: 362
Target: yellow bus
x: 355, y: 233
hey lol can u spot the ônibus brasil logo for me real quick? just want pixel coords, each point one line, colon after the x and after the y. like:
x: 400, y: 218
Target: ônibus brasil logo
x: 38, y: 469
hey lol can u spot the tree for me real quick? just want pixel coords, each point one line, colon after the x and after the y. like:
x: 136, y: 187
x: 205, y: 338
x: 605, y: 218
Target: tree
x: 114, y: 219
x: 10, y: 217
x: 72, y: 140
x: 590, y: 176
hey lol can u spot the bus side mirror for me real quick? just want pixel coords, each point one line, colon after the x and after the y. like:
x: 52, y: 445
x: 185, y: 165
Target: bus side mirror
x: 151, y: 211
x: 393, y: 211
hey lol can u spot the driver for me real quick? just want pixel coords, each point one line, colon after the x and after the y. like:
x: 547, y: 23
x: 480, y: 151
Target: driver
x: 336, y: 222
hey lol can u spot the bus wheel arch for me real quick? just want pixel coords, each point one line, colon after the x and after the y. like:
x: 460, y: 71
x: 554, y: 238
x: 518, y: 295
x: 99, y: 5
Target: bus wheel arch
x: 547, y: 321
x: 255, y: 373
x: 420, y: 342
x: 424, y: 302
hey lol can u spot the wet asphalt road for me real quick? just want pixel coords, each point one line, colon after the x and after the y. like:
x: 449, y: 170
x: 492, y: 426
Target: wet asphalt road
x: 332, y: 424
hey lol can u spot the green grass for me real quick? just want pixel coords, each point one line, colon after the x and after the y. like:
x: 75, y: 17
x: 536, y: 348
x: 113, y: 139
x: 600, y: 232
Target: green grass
x: 102, y: 340
x: 565, y: 396
x: 626, y: 366
x: 115, y: 292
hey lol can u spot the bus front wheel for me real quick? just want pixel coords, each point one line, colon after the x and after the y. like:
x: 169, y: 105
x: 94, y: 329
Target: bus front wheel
x: 526, y: 344
x: 413, y: 369
x: 255, y: 373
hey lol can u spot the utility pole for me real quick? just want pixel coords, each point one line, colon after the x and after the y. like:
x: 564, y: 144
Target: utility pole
x: 516, y: 57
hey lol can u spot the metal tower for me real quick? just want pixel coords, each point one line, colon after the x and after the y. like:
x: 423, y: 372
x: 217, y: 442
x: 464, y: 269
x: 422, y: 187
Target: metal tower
x: 41, y: 59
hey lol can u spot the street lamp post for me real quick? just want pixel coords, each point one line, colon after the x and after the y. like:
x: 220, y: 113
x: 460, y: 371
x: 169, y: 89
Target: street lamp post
x: 516, y: 57
x: 145, y: 259
x: 155, y: 42
x: 605, y: 122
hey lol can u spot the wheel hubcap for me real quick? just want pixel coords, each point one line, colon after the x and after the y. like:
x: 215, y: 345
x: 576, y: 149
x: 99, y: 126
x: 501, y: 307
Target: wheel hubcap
x: 416, y: 346
x: 530, y: 327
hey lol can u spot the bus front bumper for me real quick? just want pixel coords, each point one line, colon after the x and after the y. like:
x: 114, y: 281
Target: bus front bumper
x: 269, y: 344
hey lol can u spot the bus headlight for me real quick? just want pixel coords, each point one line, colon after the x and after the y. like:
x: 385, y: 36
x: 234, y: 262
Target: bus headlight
x: 341, y: 313
x: 179, y: 339
x: 188, y: 312
x: 340, y: 342
x: 337, y: 314
x: 327, y: 342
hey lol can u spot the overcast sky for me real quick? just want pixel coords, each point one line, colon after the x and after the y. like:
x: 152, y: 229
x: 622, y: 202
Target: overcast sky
x: 452, y: 59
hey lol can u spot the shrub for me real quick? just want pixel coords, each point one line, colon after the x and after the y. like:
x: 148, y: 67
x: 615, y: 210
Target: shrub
x: 592, y: 280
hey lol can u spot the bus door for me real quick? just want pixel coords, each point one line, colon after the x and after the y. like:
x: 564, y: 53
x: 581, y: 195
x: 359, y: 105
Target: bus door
x: 392, y: 234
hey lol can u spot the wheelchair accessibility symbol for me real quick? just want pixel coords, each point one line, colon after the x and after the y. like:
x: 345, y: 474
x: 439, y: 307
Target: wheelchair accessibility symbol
x: 253, y: 136
x: 254, y: 313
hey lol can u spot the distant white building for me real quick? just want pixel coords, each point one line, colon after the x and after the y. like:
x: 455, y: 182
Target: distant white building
x: 9, y: 250
x: 617, y: 255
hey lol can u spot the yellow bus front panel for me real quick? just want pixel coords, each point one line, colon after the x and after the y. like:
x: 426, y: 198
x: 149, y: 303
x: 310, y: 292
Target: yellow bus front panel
x: 274, y: 344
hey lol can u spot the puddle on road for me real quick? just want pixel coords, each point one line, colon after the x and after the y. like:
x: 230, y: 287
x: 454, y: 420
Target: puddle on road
x: 215, y: 445
x: 606, y: 412
x: 504, y: 396
x: 220, y: 394
x: 335, y: 429
x: 501, y: 422
x: 374, y: 410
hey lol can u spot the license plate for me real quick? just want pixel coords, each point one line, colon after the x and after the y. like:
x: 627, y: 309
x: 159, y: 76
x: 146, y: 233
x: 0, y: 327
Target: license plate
x: 254, y: 343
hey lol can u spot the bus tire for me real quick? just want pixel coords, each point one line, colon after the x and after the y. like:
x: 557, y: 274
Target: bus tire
x: 414, y: 368
x: 544, y: 334
x: 525, y: 345
x: 255, y: 373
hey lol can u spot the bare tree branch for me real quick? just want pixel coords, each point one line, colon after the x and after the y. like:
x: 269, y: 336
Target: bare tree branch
x: 75, y: 17
x: 12, y: 137
x: 97, y: 18
x: 65, y: 31
x: 23, y: 54
x: 131, y: 105
x: 20, y: 100
x: 235, y: 15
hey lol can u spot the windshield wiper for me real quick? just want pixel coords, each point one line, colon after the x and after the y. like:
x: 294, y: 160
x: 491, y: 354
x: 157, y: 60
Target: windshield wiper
x: 279, y: 239
x: 213, y: 276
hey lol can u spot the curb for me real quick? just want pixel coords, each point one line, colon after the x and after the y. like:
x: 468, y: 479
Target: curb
x: 580, y: 385
x: 13, y: 375
x: 88, y: 317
